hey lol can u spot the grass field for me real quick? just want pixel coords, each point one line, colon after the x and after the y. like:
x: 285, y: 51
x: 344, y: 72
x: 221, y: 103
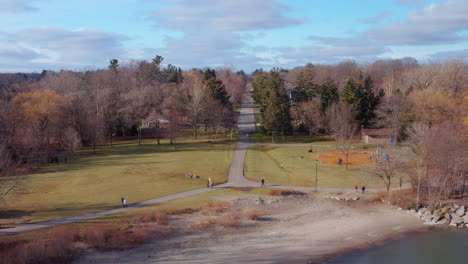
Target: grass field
x: 265, y: 163
x: 96, y: 182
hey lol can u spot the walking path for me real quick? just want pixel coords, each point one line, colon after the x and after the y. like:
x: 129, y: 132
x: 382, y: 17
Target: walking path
x: 246, y: 126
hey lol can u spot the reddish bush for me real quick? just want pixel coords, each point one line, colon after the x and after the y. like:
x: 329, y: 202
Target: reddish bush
x: 217, y: 207
x: 230, y: 220
x: 277, y: 192
x: 203, y: 224
x: 255, y: 214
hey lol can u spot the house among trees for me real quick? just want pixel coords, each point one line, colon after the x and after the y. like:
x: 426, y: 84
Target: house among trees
x: 377, y: 136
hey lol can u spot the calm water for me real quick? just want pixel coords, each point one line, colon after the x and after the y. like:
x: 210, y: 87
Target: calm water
x: 434, y: 247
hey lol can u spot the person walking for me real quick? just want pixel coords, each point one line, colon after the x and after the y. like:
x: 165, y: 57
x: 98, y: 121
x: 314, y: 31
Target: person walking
x: 125, y: 202
x: 355, y: 188
x: 263, y: 182
x: 210, y: 183
x: 122, y: 201
x: 363, y: 189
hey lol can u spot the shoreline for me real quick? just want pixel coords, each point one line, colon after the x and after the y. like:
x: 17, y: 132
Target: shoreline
x: 298, y: 230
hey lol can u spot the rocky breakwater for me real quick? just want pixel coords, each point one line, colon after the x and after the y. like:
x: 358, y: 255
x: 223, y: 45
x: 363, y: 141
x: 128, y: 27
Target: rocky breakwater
x: 452, y: 215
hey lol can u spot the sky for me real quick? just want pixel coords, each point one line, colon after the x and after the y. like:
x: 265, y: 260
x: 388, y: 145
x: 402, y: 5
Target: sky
x: 38, y: 35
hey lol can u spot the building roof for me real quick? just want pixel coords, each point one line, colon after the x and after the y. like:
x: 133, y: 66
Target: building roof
x: 377, y: 132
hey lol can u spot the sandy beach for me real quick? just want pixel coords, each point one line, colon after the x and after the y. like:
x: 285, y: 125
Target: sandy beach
x: 298, y: 229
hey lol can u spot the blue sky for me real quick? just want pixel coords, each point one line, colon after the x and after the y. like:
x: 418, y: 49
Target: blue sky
x: 243, y: 34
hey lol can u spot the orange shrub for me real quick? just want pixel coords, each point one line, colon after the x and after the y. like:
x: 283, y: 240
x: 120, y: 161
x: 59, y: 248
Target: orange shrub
x: 230, y: 220
x: 255, y: 214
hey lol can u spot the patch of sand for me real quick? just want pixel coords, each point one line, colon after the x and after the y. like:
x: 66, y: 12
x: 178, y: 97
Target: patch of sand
x: 304, y: 229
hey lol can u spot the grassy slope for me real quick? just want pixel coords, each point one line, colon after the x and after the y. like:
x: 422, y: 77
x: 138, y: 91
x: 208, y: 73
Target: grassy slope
x: 139, y: 173
x: 265, y: 162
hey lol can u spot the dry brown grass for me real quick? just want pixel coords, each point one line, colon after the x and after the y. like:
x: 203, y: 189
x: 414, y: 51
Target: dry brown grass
x: 278, y: 192
x: 64, y: 243
x: 255, y: 214
x: 153, y: 217
x: 230, y: 220
x: 402, y: 198
x: 203, y: 224
x: 215, y: 207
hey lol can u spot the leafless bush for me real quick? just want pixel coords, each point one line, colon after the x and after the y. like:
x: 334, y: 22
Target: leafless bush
x: 230, y: 220
x: 255, y: 214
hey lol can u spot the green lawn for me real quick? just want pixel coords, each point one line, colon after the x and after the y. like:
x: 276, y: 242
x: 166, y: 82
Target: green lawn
x: 96, y: 182
x: 265, y: 163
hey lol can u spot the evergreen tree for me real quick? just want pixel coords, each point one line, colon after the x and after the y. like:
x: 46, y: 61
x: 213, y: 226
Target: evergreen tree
x: 276, y: 116
x: 361, y: 95
x: 328, y: 94
x: 260, y: 92
x: 306, y: 89
x: 216, y: 87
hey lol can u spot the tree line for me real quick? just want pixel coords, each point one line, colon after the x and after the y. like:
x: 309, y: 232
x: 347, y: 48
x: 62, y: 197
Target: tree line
x: 43, y: 114
x: 424, y: 105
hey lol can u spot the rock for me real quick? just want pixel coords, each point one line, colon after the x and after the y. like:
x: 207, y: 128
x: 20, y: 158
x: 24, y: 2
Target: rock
x: 457, y: 220
x: 412, y: 211
x: 443, y: 221
x: 436, y: 218
x: 355, y: 198
x: 460, y: 211
x: 337, y: 198
x: 399, y: 208
x: 447, y: 216
x: 259, y: 200
x: 465, y: 218
x: 456, y: 206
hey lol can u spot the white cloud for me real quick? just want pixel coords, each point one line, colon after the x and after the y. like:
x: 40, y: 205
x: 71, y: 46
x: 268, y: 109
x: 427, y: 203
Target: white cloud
x: 16, y: 6
x: 52, y: 47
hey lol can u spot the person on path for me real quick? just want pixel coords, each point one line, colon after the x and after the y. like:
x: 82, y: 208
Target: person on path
x: 122, y: 201
x: 263, y: 182
x: 355, y: 187
x: 210, y: 183
x: 363, y: 189
x: 125, y: 202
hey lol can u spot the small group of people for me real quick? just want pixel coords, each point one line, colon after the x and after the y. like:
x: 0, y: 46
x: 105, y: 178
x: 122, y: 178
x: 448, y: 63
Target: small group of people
x: 124, y: 202
x: 363, y: 188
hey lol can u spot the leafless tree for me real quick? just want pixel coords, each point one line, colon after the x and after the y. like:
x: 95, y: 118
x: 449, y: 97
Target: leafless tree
x: 195, y: 99
x: 9, y: 178
x: 309, y: 114
x: 440, y: 150
x: 386, y: 169
x: 395, y: 113
x: 342, y: 123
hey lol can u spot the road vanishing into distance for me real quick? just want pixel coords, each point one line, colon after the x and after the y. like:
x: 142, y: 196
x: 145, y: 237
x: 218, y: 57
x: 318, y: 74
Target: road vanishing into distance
x: 236, y: 179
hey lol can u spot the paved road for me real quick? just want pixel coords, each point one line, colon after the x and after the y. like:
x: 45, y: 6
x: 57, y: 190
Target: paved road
x: 246, y: 126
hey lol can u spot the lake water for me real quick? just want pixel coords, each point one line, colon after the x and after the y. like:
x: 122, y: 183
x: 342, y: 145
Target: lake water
x: 433, y: 247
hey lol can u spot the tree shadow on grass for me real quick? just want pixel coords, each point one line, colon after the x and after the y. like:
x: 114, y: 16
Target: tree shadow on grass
x: 9, y: 214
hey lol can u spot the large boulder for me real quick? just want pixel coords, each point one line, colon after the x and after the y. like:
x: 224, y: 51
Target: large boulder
x: 460, y: 211
x: 456, y: 220
x: 443, y: 221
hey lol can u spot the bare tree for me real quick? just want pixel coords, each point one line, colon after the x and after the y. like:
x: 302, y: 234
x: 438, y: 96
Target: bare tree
x: 386, y: 169
x: 342, y: 122
x: 394, y: 113
x: 440, y: 150
x: 9, y: 179
x: 310, y: 115
x: 195, y: 99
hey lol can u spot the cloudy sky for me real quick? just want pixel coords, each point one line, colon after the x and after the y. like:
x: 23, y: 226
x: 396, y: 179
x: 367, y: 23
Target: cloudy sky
x: 244, y: 34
